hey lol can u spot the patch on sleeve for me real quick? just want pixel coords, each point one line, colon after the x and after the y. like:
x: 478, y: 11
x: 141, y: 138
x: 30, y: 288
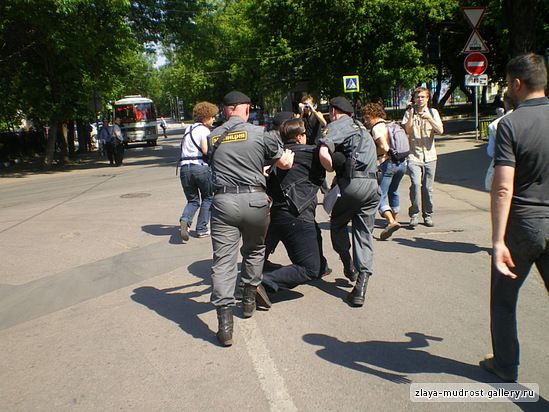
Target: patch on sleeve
x: 232, y: 137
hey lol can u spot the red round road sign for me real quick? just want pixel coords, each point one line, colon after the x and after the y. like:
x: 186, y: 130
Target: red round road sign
x: 475, y: 63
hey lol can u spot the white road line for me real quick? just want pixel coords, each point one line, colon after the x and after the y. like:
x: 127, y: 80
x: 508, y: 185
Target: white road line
x: 271, y: 381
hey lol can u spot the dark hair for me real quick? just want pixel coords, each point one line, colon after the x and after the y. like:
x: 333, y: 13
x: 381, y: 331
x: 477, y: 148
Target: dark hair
x: 290, y: 129
x: 374, y: 110
x: 530, y: 69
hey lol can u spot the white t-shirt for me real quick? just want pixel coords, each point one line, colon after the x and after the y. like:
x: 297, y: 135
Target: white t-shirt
x: 197, y: 133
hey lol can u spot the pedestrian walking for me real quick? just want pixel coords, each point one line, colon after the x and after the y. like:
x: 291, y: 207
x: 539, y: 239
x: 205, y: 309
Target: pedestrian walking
x: 237, y: 153
x: 164, y: 126
x: 117, y: 140
x: 392, y: 165
x: 194, y: 172
x: 421, y: 124
x: 520, y: 206
x: 359, y: 189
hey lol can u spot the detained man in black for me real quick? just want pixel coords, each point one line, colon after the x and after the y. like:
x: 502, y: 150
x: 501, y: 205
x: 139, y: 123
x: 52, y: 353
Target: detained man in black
x: 294, y: 193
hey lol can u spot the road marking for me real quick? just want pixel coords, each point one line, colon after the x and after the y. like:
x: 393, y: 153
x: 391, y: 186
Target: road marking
x: 271, y: 381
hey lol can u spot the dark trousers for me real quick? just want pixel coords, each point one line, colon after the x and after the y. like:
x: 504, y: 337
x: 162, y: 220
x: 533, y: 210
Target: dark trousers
x: 303, y: 243
x: 528, y: 242
x: 115, y: 153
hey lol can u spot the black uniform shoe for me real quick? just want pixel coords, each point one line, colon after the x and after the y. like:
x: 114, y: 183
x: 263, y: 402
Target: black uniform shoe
x: 348, y: 267
x: 358, y: 294
x: 225, y: 320
x: 488, y: 365
x: 248, y: 301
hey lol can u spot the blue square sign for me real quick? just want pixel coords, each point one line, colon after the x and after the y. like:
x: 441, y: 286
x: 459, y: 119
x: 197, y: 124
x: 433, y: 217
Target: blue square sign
x: 351, y: 84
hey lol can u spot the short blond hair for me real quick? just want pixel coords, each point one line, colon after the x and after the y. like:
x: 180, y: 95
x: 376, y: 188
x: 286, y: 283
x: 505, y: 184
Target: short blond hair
x: 204, y: 110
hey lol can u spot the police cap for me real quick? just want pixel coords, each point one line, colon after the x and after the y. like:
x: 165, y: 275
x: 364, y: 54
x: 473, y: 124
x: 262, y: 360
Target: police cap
x: 342, y: 104
x: 234, y: 98
x: 281, y: 117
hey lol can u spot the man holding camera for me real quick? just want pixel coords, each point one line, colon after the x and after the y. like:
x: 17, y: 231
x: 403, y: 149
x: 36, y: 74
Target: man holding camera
x: 314, y: 121
x: 421, y: 123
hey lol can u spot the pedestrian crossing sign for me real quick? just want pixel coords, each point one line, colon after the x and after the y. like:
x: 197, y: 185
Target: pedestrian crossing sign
x: 350, y: 84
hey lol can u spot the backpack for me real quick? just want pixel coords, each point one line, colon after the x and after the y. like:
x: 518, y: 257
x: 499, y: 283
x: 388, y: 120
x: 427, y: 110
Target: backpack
x: 398, y: 142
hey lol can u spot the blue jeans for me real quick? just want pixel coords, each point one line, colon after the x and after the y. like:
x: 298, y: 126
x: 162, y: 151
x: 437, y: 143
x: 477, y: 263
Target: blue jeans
x: 528, y: 242
x: 422, y: 176
x: 197, y: 186
x: 392, y: 174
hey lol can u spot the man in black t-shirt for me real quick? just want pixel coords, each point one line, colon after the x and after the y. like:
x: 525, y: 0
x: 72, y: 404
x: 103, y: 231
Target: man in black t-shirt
x: 520, y: 206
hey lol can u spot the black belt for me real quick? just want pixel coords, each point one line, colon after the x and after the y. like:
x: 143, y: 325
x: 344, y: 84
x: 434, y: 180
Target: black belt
x: 239, y: 189
x: 365, y: 175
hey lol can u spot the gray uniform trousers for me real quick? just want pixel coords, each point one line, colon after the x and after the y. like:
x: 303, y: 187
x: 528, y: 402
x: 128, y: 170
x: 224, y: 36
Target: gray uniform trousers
x: 233, y: 215
x: 358, y: 203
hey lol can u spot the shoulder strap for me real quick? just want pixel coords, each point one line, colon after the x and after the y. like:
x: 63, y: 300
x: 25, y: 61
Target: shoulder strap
x: 217, y: 143
x: 381, y: 121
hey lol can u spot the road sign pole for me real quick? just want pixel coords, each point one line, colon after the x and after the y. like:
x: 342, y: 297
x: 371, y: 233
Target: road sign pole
x: 475, y: 94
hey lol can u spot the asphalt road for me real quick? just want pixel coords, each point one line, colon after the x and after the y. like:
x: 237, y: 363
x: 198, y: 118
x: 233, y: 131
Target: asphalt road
x: 103, y: 308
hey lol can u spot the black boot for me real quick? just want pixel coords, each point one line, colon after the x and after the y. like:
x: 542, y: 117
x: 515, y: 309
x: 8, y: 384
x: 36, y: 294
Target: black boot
x: 225, y: 320
x: 248, y: 301
x: 357, y: 295
x: 348, y: 267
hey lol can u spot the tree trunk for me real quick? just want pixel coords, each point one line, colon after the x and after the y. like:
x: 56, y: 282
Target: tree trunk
x: 62, y: 140
x: 70, y: 138
x: 50, y: 145
x: 83, y: 131
x: 447, y: 95
x: 436, y: 96
x: 520, y: 15
x: 483, y: 100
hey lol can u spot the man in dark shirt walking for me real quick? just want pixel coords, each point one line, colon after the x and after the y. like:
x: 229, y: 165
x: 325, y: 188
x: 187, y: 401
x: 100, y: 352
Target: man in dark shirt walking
x: 520, y: 206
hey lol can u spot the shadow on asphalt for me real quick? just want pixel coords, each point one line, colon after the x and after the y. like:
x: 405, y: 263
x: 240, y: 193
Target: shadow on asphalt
x: 442, y: 246
x: 465, y: 168
x: 164, y: 230
x: 339, y: 288
x: 394, y: 361
x: 179, y: 306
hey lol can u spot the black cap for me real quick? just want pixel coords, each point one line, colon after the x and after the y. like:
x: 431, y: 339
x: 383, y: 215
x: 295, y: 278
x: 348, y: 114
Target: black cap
x: 343, y: 104
x: 281, y: 117
x: 235, y: 97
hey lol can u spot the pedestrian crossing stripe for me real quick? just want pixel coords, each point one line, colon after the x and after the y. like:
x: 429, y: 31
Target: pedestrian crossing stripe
x: 350, y: 84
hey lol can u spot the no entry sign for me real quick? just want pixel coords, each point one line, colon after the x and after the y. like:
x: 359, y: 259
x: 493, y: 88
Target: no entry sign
x: 475, y: 63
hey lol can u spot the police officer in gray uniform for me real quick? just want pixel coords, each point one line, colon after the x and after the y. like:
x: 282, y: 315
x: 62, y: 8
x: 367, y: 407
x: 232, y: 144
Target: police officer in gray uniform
x: 237, y: 153
x: 360, y: 196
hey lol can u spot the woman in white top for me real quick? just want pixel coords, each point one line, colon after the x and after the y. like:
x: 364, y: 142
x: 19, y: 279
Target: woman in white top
x: 391, y: 172
x: 195, y: 173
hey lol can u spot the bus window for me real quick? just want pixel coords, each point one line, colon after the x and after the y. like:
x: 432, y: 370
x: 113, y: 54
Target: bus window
x: 125, y: 113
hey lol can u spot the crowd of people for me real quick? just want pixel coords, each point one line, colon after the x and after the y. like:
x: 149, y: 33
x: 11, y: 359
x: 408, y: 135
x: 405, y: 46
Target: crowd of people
x: 262, y: 186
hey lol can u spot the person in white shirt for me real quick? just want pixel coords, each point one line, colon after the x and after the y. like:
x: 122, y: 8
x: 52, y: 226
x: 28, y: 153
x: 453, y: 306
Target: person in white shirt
x: 195, y: 173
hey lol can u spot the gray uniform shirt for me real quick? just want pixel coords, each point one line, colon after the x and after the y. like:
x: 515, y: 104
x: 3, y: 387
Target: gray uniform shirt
x: 239, y: 159
x: 342, y: 134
